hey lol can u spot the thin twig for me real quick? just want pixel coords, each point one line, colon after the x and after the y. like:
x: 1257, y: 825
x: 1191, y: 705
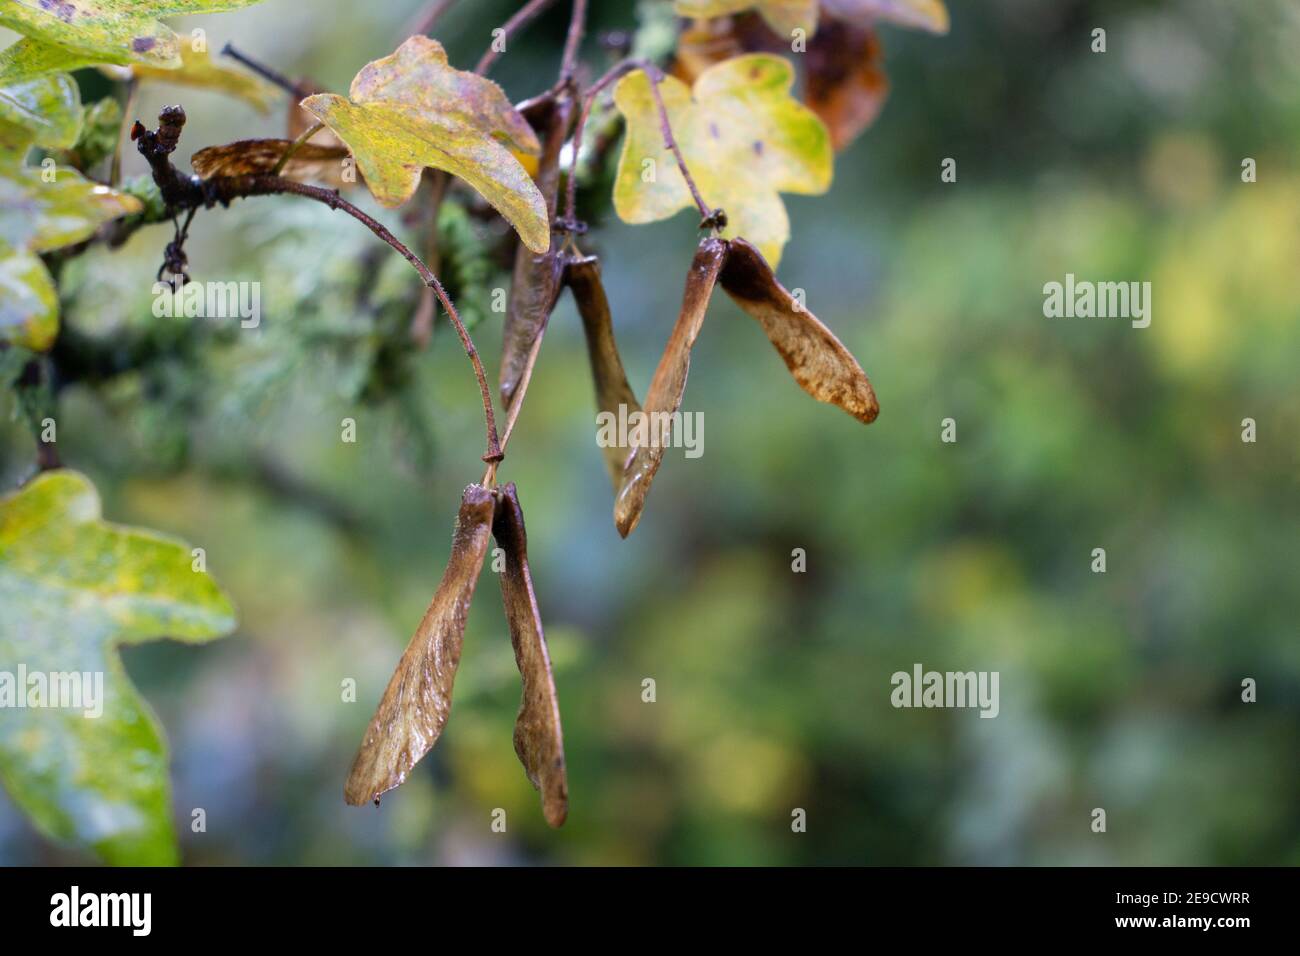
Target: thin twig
x: 521, y: 17
x: 265, y: 72
x: 577, y: 27
x: 423, y: 22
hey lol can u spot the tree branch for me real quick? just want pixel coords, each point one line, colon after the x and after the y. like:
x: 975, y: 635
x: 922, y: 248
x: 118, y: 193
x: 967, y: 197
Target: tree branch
x: 189, y: 192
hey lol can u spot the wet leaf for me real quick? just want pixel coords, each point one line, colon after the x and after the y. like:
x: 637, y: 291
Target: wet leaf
x: 846, y: 83
x: 612, y: 390
x: 414, y: 708
x: 412, y: 110
x: 42, y: 216
x: 28, y: 59
x: 49, y: 106
x: 664, y: 396
x: 819, y: 362
x: 248, y: 157
x: 111, y: 31
x: 74, y: 589
x: 538, y: 738
x: 15, y: 143
x: 745, y: 139
x: 36, y: 216
x: 29, y: 302
x: 929, y: 15
x: 784, y: 16
x: 535, y: 281
x: 200, y: 71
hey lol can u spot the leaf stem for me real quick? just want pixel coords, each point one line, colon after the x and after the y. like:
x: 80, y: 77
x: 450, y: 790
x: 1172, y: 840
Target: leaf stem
x: 296, y: 145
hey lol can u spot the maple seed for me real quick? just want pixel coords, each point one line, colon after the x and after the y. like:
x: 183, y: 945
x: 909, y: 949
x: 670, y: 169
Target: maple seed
x: 414, y: 708
x: 612, y: 390
x: 669, y: 382
x: 819, y: 362
x: 539, y: 742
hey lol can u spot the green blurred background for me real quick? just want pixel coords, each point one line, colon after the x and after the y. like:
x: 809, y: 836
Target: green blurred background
x: 1119, y: 691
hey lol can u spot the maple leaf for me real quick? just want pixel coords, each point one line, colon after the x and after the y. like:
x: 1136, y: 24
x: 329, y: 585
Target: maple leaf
x: 784, y: 16
x: 247, y: 157
x: 744, y: 138
x: 38, y: 216
x: 74, y: 589
x: 413, y: 110
x: 106, y: 31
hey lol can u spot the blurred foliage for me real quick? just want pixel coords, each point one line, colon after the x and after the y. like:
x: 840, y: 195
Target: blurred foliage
x: 1119, y: 690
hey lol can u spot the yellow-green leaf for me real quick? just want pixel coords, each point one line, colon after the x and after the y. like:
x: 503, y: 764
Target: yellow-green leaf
x: 112, y: 31
x: 200, y: 71
x: 74, y: 589
x: 28, y: 59
x: 784, y: 16
x: 42, y: 216
x: 29, y: 303
x: 744, y: 138
x: 49, y: 106
x: 412, y: 110
x: 929, y: 15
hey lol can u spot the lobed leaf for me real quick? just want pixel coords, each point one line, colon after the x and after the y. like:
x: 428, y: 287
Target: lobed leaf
x: 539, y: 741
x: 414, y: 708
x: 412, y: 110
x: 745, y: 139
x: 73, y: 589
x: 819, y: 362
x: 109, y: 31
x: 664, y: 396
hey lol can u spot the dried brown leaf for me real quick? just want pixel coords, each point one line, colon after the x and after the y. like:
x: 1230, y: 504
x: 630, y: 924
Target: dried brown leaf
x: 535, y: 282
x: 414, y: 708
x: 819, y: 362
x: 539, y: 741
x: 247, y: 157
x: 846, y: 83
x: 665, y: 394
x: 612, y: 390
